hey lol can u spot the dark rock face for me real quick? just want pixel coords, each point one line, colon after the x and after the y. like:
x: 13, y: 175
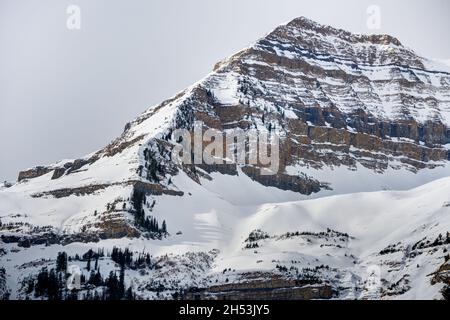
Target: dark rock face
x: 275, y: 288
x: 58, y: 173
x: 300, y: 184
x: 109, y: 230
x: 154, y: 189
x: 33, y: 173
x: 66, y: 192
x: 442, y: 275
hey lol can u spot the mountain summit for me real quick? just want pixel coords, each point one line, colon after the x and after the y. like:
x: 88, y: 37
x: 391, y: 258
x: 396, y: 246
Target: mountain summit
x: 353, y: 113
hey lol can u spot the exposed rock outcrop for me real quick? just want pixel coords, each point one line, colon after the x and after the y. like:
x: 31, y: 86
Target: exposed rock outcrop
x: 275, y: 288
x: 33, y: 173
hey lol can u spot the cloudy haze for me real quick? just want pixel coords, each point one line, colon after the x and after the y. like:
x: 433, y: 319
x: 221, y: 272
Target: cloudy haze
x: 65, y: 93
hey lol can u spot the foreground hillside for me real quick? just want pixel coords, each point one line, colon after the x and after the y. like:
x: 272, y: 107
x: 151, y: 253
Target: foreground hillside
x: 388, y: 244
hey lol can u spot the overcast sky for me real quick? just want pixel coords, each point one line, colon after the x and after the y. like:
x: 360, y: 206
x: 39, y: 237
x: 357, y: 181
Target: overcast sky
x: 65, y: 93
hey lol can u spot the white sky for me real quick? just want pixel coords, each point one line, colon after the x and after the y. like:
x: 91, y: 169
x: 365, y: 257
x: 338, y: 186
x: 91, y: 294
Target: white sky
x: 66, y: 93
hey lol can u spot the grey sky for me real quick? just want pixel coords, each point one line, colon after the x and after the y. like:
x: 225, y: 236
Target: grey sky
x: 66, y: 93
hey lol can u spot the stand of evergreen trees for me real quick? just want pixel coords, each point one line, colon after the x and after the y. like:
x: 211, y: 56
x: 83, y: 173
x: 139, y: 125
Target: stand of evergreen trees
x: 152, y: 166
x: 49, y: 284
x: 125, y: 259
x: 61, y: 262
x: 52, y: 284
x: 149, y: 223
x: 91, y: 255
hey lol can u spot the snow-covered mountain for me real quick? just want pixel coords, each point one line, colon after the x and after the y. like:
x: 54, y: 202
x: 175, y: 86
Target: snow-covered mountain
x: 358, y: 116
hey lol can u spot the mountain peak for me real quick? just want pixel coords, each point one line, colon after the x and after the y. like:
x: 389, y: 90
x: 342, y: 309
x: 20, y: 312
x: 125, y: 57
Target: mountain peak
x: 303, y: 24
x: 351, y: 116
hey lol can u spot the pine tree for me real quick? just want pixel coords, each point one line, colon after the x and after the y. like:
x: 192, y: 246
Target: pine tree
x: 61, y: 262
x: 88, y: 266
x: 152, y: 170
x: 53, y: 289
x: 121, y: 282
x: 129, y: 294
x: 92, y: 277
x: 112, y: 284
x: 41, y: 283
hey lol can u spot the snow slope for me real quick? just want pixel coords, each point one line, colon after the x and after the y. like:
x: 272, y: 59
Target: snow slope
x: 373, y: 221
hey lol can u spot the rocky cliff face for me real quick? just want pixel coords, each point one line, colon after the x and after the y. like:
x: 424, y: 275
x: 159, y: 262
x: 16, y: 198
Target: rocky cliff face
x: 336, y: 98
x: 264, y: 287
